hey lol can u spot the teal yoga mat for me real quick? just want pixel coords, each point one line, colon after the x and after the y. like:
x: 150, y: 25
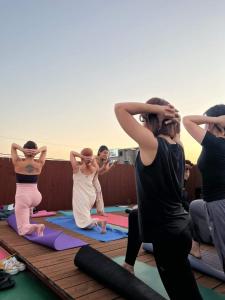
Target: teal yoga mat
x: 209, y: 264
x: 149, y: 274
x: 108, y: 209
x: 28, y: 287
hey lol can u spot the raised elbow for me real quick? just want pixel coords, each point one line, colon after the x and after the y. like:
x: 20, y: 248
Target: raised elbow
x: 185, y: 120
x: 118, y: 106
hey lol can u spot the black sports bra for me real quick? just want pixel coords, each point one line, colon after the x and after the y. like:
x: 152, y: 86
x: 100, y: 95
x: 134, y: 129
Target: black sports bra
x: 22, y: 178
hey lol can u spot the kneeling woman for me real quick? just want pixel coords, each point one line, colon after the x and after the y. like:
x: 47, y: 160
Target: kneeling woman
x: 84, y: 192
x: 27, y: 194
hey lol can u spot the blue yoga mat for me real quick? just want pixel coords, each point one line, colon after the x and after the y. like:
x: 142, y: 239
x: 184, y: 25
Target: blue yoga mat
x: 108, y: 209
x: 95, y: 233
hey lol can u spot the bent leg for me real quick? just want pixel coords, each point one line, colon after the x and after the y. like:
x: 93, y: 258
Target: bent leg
x: 134, y: 241
x: 171, y: 257
x: 200, y: 222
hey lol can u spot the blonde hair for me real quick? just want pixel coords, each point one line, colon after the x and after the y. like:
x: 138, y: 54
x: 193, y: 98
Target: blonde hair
x: 87, y: 152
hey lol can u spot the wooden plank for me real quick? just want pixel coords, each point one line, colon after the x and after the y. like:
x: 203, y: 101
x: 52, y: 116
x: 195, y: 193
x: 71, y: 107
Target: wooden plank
x: 57, y: 269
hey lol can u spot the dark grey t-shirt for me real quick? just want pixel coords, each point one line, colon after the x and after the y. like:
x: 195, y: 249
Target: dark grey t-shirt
x: 211, y: 164
x: 159, y: 189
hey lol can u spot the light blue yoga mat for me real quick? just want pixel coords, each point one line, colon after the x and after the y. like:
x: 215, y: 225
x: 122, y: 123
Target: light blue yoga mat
x: 151, y: 277
x: 95, y: 233
x: 107, y: 209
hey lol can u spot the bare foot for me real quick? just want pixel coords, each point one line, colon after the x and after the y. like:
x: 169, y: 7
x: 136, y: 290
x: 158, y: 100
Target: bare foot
x: 40, y: 229
x: 195, y: 250
x: 103, y: 225
x: 128, y: 267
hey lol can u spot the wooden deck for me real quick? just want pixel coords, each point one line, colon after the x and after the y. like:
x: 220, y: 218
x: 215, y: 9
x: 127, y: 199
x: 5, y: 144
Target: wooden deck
x: 56, y: 268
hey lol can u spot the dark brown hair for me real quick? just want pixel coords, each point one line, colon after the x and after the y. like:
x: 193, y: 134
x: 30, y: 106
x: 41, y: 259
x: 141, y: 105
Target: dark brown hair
x: 153, y: 121
x: 216, y: 111
x: 30, y: 145
x: 102, y: 148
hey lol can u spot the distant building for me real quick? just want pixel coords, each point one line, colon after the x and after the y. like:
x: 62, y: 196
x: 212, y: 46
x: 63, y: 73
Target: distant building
x: 124, y: 156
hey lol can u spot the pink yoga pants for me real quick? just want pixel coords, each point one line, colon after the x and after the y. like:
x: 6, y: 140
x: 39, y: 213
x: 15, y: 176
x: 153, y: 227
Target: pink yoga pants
x: 27, y: 197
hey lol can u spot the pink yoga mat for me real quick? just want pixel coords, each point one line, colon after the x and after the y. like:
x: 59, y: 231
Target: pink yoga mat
x: 114, y: 219
x: 43, y: 213
x: 3, y: 253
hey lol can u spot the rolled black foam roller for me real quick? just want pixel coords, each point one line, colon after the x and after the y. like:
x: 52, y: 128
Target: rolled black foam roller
x: 112, y: 275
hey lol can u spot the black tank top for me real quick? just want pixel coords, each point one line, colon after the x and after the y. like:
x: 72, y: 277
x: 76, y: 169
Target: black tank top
x: 211, y: 164
x: 159, y: 189
x: 22, y: 178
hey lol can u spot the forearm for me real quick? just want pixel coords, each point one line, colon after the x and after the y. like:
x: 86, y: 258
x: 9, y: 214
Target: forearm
x: 76, y: 154
x: 95, y: 164
x: 17, y: 147
x: 42, y: 149
x: 199, y: 120
x: 135, y: 108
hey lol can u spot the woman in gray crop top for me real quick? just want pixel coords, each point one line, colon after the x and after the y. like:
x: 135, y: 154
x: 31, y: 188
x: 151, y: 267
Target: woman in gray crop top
x: 27, y: 194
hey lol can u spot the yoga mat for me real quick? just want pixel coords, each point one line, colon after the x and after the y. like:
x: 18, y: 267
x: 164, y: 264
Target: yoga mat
x: 108, y: 209
x: 151, y: 277
x: 43, y: 213
x: 106, y: 271
x: 209, y: 264
x: 114, y: 219
x: 3, y: 253
x: 119, y: 228
x: 94, y: 233
x: 52, y: 238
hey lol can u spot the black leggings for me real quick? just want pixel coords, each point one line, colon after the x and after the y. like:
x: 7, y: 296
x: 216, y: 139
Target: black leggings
x: 171, y: 255
x: 134, y: 241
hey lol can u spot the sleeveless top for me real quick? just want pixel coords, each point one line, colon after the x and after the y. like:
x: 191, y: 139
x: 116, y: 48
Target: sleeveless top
x: 211, y: 164
x: 22, y: 178
x: 159, y: 191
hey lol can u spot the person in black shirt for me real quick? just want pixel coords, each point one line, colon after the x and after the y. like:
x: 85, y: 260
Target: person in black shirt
x: 211, y: 164
x: 185, y: 200
x: 134, y: 241
x: 159, y: 179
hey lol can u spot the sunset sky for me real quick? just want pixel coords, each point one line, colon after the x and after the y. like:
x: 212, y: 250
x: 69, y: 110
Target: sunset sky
x: 64, y: 64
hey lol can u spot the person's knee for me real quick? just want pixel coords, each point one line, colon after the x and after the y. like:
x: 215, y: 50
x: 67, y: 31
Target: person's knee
x: 196, y: 206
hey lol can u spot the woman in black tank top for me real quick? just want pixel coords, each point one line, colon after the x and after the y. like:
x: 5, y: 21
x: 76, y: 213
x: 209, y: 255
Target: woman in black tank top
x: 160, y: 217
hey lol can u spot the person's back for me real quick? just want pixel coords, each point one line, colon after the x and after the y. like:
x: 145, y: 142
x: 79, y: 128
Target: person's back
x: 28, y: 166
x: 211, y: 164
x: 159, y: 173
x: 84, y: 192
x: 27, y: 194
x: 159, y: 187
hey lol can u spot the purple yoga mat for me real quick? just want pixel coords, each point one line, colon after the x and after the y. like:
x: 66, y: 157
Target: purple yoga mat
x: 52, y: 238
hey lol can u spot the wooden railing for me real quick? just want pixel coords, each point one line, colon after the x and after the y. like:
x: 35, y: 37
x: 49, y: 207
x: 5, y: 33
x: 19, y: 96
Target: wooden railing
x: 55, y: 184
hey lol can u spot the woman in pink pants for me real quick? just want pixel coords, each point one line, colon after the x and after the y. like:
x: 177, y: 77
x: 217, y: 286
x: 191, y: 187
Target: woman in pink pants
x: 27, y: 194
